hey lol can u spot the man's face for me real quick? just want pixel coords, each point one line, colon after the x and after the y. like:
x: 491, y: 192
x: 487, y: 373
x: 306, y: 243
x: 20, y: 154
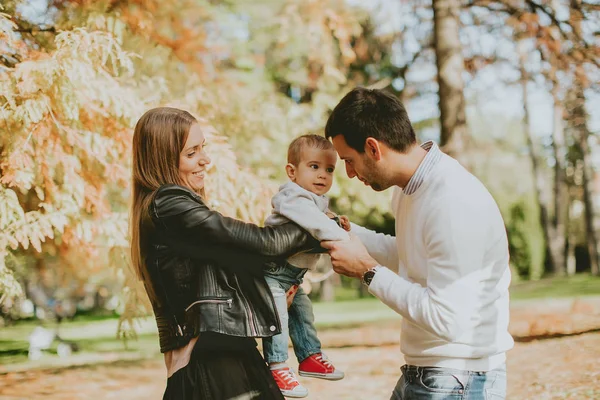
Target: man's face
x: 360, y: 165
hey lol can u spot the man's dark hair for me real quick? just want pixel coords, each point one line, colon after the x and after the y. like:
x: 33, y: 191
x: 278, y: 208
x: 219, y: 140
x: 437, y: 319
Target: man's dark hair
x: 364, y: 113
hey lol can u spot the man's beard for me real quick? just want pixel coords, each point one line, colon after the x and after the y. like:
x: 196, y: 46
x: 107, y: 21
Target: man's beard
x: 377, y: 187
x: 377, y: 182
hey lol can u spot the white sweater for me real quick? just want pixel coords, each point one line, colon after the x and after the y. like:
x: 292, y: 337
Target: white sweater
x: 451, y: 257
x: 294, y: 203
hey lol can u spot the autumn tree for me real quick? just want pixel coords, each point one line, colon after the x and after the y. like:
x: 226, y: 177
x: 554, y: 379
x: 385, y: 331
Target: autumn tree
x: 70, y: 95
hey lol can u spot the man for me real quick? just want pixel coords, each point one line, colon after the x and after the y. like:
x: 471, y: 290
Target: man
x: 446, y: 271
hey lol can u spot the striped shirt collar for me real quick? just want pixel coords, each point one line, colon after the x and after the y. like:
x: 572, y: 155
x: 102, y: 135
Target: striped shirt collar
x: 434, y: 154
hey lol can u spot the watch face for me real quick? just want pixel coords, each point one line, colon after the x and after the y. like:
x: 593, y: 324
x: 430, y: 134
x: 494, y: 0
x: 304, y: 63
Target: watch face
x: 368, y: 277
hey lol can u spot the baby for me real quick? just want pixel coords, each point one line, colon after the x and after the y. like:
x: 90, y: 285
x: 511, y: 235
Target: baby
x: 311, y: 162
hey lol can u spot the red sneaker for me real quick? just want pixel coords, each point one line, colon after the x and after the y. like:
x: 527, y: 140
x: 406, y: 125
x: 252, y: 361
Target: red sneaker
x: 288, y: 383
x: 319, y: 366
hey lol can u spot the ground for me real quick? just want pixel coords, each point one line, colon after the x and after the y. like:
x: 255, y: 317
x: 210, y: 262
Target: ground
x: 556, y: 356
x: 558, y: 368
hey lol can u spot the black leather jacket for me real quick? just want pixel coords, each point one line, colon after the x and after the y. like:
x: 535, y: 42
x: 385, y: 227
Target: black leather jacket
x: 207, y: 270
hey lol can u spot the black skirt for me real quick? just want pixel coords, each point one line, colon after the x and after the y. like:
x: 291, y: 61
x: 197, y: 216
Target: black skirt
x: 223, y: 368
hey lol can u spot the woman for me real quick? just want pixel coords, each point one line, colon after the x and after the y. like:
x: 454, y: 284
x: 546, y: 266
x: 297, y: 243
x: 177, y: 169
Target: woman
x: 202, y: 271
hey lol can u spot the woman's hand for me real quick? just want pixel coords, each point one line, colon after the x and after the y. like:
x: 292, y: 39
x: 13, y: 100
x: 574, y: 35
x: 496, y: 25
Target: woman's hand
x: 289, y: 296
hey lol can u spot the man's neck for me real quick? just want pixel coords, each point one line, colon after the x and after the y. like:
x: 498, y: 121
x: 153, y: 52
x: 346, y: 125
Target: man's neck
x: 404, y: 165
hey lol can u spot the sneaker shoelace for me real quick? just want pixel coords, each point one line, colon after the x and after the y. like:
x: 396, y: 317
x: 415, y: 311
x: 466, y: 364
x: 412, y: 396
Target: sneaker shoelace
x: 287, y: 375
x: 323, y: 358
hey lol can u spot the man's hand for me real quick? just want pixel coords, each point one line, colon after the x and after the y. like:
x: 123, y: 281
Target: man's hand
x: 345, y: 222
x: 349, y: 257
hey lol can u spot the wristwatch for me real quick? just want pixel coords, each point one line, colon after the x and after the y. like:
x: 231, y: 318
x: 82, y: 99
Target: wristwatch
x: 369, y: 275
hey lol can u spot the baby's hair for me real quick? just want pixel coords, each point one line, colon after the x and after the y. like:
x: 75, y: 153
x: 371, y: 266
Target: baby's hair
x: 314, y: 141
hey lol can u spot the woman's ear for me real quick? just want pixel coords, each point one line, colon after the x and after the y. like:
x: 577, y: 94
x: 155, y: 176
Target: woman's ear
x: 290, y: 169
x: 373, y: 148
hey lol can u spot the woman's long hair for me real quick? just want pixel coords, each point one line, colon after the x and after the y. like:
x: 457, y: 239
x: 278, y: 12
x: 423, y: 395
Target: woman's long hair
x: 158, y: 140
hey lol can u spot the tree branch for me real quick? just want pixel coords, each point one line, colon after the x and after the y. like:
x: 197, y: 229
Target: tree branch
x: 590, y: 7
x: 33, y: 30
x: 577, y: 41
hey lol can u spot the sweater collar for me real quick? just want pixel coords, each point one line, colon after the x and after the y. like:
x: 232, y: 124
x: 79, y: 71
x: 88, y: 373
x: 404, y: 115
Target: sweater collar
x: 434, y: 155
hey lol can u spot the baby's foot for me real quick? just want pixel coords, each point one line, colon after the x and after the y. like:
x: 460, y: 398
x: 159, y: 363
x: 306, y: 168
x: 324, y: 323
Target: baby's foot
x: 319, y: 366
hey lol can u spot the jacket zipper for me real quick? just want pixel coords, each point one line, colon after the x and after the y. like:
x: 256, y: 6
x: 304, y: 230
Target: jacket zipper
x: 248, y: 309
x: 229, y: 302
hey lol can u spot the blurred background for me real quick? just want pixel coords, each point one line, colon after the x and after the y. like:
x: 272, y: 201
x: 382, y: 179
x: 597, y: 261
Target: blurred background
x: 510, y: 88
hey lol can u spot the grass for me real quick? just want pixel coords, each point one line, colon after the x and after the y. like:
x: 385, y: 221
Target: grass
x: 575, y: 286
x: 351, y: 312
x: 97, y: 339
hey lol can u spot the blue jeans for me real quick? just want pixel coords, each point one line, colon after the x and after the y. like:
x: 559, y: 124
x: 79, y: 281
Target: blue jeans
x: 435, y: 383
x: 296, y: 323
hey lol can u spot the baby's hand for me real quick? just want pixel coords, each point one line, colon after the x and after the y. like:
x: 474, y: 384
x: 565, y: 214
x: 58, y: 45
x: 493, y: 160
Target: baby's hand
x: 330, y: 214
x: 345, y: 222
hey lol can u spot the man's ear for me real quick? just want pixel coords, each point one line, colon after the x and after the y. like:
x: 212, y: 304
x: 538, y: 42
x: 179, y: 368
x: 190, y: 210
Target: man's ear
x: 290, y: 170
x: 373, y: 149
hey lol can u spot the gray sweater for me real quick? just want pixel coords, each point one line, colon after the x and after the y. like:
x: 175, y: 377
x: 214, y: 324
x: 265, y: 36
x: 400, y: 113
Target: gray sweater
x: 294, y: 203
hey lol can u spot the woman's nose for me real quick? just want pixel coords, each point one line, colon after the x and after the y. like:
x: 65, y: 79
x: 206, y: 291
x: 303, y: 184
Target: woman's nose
x: 204, y: 160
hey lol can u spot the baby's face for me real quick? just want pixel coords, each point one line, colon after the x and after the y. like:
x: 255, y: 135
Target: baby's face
x: 315, y: 171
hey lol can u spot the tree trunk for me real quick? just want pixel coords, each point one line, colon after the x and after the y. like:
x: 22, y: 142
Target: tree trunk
x: 587, y: 182
x: 553, y: 230
x: 327, y: 290
x: 571, y: 243
x: 363, y: 291
x: 558, y: 233
x: 450, y: 68
x: 578, y: 120
x: 537, y: 174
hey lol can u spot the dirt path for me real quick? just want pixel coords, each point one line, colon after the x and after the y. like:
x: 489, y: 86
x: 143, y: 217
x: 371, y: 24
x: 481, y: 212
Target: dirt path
x: 562, y: 368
